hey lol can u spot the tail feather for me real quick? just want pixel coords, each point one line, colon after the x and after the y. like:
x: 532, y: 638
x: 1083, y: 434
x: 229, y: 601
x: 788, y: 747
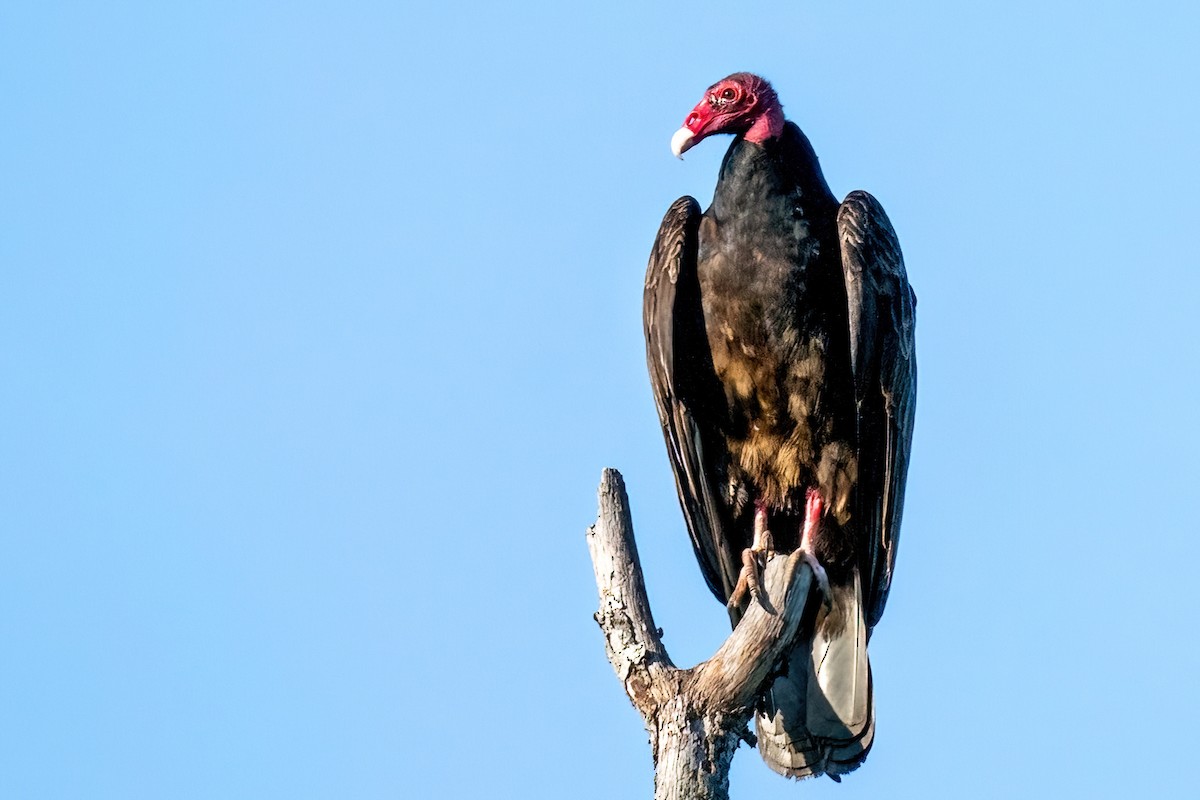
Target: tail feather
x: 819, y: 716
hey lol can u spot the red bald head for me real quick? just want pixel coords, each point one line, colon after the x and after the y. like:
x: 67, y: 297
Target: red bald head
x: 741, y: 104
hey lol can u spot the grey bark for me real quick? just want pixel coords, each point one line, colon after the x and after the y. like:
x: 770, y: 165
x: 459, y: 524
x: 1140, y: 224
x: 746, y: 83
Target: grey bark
x: 695, y: 717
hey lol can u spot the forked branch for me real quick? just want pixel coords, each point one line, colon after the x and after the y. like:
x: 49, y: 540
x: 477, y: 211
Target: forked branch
x: 696, y: 717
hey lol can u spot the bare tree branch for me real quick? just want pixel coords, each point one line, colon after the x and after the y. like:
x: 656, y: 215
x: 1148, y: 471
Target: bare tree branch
x: 696, y: 717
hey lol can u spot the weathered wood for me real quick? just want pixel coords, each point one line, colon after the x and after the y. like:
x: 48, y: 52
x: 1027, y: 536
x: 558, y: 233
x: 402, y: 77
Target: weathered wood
x: 695, y: 717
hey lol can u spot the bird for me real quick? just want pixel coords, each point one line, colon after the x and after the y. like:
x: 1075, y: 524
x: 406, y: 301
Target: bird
x: 780, y: 340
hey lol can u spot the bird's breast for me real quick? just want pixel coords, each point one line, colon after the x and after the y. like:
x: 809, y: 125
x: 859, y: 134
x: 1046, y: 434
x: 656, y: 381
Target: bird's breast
x: 774, y: 305
x: 769, y: 352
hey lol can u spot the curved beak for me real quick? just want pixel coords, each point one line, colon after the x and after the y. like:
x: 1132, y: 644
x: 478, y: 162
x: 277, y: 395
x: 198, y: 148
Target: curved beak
x: 682, y: 141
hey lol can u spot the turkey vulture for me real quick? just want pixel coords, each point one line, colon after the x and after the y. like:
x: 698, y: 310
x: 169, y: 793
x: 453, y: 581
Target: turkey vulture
x: 779, y: 336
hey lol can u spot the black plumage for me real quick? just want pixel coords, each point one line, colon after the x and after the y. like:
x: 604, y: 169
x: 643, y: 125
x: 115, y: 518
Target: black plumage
x: 779, y: 329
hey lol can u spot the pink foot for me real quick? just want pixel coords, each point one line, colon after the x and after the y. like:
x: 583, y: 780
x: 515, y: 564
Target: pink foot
x: 754, y: 560
x: 814, y: 507
x: 763, y: 542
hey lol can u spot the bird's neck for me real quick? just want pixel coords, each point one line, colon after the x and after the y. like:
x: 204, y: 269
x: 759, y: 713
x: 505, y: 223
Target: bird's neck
x: 768, y: 125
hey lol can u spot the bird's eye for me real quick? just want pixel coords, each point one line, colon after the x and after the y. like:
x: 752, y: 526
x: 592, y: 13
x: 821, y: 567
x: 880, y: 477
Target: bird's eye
x: 728, y: 94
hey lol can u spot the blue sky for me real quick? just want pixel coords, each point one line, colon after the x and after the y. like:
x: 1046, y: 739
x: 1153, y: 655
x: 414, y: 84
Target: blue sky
x: 320, y: 321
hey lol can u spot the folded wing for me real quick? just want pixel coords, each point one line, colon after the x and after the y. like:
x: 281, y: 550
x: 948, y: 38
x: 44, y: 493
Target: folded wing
x: 882, y: 309
x: 687, y: 393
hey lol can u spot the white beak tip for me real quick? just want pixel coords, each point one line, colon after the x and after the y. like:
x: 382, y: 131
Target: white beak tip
x: 681, y: 142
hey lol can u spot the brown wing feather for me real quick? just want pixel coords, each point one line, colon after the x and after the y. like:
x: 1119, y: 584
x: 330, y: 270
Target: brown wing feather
x: 882, y: 309
x: 686, y: 390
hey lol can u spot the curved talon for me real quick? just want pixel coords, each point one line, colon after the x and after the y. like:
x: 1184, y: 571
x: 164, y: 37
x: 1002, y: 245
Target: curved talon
x: 750, y: 568
x: 739, y: 591
x: 819, y: 575
x: 754, y: 564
